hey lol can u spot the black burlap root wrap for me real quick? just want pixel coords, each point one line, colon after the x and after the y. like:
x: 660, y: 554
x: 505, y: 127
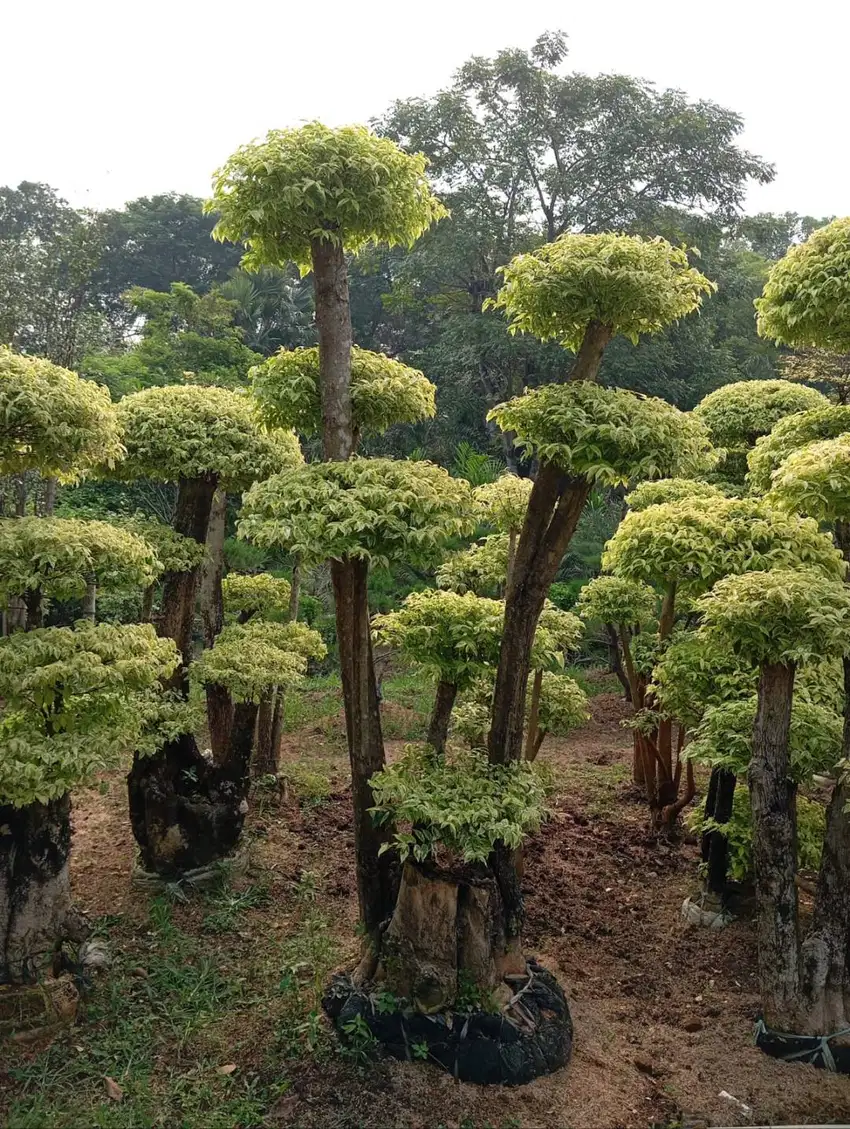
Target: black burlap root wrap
x: 814, y: 1050
x: 474, y: 1046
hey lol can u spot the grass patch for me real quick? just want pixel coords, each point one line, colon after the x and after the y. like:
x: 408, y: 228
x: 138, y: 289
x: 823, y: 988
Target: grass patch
x: 598, y: 785
x: 595, y: 680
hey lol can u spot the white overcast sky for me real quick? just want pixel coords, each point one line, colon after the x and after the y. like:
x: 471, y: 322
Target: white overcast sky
x: 107, y: 100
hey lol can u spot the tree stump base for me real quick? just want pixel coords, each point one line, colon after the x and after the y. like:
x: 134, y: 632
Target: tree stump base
x: 530, y: 1035
x: 199, y: 878
x: 30, y: 1011
x: 706, y: 910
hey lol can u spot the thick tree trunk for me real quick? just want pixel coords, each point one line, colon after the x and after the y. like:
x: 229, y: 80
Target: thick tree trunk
x: 49, y: 503
x: 826, y: 980
x: 33, y: 603
x: 219, y: 720
x: 90, y: 600
x: 715, y: 845
x: 589, y: 357
x: 211, y: 599
x: 265, y: 753
x: 438, y: 727
x: 772, y: 796
x: 376, y: 884
x: 35, y: 889
x: 191, y: 519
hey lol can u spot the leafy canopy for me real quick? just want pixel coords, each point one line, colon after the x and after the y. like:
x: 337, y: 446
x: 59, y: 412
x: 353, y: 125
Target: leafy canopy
x: 629, y: 284
x: 384, y: 392
x: 482, y: 568
x: 781, y: 616
x: 190, y: 431
x: 315, y: 184
x: 174, y: 552
x: 459, y: 801
x: 697, y: 541
x: 563, y: 704
x: 503, y: 503
x: 815, y: 480
x: 58, y: 556
x: 806, y: 299
x: 737, y: 414
x: 248, y: 659
x: 53, y: 421
x: 262, y: 594
x: 74, y: 701
x: 790, y: 434
x: 615, y: 599
x: 607, y: 435
x: 670, y: 490
x: 380, y: 510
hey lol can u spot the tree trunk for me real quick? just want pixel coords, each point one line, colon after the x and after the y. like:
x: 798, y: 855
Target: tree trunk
x: 219, y: 719
x: 715, y: 845
x: 376, y: 882
x: 34, y: 609
x: 265, y: 753
x: 532, y: 747
x: 438, y: 727
x: 375, y: 879
x: 295, y: 590
x: 147, y: 603
x: 615, y: 661
x: 90, y: 600
x: 35, y: 889
x: 49, y: 504
x: 211, y: 599
x: 191, y: 519
x: 589, y: 357
x: 775, y: 849
x: 825, y: 950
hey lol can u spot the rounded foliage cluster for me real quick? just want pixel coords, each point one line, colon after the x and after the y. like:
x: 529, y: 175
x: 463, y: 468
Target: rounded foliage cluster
x: 384, y: 392
x: 782, y: 616
x: 185, y: 431
x: 380, y: 510
x: 174, y: 552
x: 53, y: 421
x: 503, y: 503
x: 59, y: 556
x: 563, y: 704
x: 348, y: 186
x: 248, y: 659
x: 482, y: 568
x: 806, y: 299
x: 615, y: 599
x: 626, y: 283
x: 459, y: 801
x: 697, y: 541
x: 259, y: 594
x: 670, y: 490
x: 790, y: 434
x: 737, y: 414
x: 607, y: 435
x: 697, y: 671
x: 74, y: 701
x: 815, y: 480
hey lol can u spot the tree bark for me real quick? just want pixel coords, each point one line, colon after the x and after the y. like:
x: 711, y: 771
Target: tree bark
x: 34, y: 609
x: 615, y: 661
x: 35, y: 888
x: 532, y: 747
x: 438, y: 727
x: 219, y: 719
x: 265, y: 754
x: 147, y: 603
x: 49, y: 503
x: 589, y: 357
x: 295, y: 590
x: 90, y: 600
x: 715, y: 844
x: 772, y: 796
x: 191, y: 519
x: 333, y: 325
x: 211, y: 599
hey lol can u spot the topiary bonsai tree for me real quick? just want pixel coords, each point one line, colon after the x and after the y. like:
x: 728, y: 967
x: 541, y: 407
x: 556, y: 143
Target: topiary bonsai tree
x: 738, y: 414
x: 200, y: 439
x: 781, y: 620
x: 363, y: 511
x: 74, y: 701
x: 787, y: 436
x: 44, y: 558
x: 670, y: 490
x: 173, y: 551
x: 503, y: 504
x: 482, y: 568
x: 310, y: 196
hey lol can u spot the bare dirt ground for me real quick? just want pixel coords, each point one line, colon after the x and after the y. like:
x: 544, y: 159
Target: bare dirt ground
x: 663, y: 1013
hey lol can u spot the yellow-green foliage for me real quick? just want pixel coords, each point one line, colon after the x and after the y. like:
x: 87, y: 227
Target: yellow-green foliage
x: 558, y: 632
x: 815, y: 480
x: 629, y: 284
x: 53, y: 421
x: 248, y: 659
x: 806, y: 299
x: 459, y: 801
x: 174, y: 552
x: 670, y: 490
x: 482, y: 568
x: 58, y: 556
x: 346, y: 186
x: 782, y: 616
x: 699, y: 540
x: 259, y: 594
x: 381, y: 510
x: 75, y: 700
x: 563, y: 704
x: 614, y: 599
x: 452, y: 635
x: 607, y: 435
x: 184, y: 431
x: 736, y: 415
x: 503, y: 503
x: 384, y: 392
x: 790, y: 434
x: 698, y: 671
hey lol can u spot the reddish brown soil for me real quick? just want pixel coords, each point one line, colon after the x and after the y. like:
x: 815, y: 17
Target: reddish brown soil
x: 663, y: 1013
